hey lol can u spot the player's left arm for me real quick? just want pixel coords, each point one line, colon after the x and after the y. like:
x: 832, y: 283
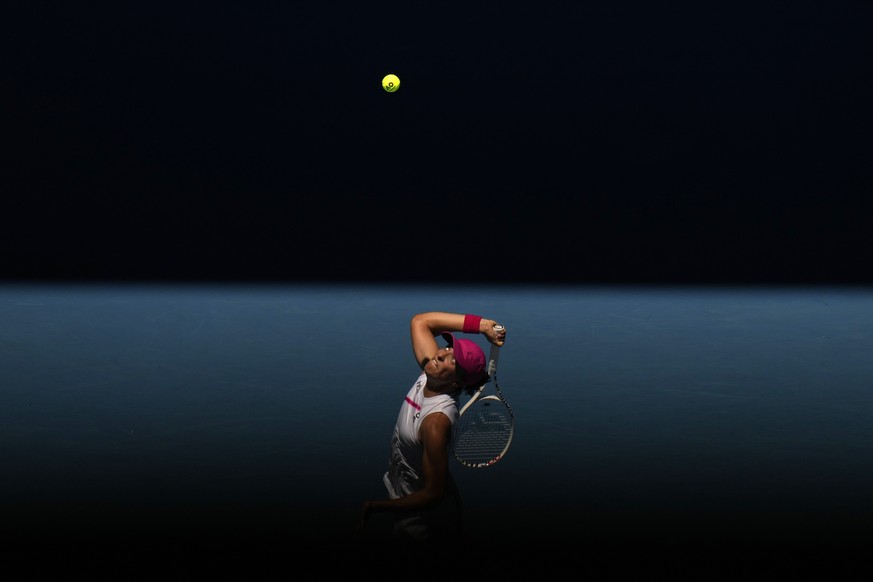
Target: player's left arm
x: 435, y: 433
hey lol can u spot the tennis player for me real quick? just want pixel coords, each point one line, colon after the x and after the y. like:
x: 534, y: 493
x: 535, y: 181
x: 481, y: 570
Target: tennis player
x: 422, y: 496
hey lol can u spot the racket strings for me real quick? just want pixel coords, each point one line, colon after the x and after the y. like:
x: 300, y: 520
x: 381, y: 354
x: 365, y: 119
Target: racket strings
x: 485, y: 432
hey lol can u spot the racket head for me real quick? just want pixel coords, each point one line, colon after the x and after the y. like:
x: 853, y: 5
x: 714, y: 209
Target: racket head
x: 485, y: 432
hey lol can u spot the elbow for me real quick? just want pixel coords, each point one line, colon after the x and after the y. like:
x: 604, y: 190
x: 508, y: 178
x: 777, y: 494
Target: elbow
x: 419, y: 321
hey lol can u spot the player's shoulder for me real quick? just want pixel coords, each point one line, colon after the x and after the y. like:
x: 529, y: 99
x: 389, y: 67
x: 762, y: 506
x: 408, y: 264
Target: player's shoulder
x: 436, y: 423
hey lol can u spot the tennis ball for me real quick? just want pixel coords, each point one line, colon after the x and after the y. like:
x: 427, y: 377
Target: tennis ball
x: 390, y: 83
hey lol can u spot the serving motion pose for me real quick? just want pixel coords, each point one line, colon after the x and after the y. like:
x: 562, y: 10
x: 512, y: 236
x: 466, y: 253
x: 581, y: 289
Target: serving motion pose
x: 422, y: 496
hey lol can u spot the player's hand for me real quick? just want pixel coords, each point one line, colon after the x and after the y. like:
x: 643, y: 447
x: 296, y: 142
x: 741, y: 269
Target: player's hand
x: 496, y: 335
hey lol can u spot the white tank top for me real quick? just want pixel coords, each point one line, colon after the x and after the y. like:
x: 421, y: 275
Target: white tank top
x: 405, y: 475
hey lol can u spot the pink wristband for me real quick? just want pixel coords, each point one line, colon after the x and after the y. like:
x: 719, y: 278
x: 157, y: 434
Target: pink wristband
x: 471, y: 323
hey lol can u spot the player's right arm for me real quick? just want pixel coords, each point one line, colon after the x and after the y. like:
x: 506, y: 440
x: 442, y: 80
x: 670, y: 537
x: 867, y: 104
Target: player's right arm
x: 424, y: 328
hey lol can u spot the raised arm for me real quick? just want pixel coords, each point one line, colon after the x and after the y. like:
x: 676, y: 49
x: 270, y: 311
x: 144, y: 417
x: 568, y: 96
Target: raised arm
x: 424, y: 328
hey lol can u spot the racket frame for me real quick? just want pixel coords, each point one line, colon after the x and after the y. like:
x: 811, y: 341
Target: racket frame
x: 498, y: 396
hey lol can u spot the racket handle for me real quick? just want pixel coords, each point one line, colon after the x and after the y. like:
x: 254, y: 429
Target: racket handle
x: 495, y: 354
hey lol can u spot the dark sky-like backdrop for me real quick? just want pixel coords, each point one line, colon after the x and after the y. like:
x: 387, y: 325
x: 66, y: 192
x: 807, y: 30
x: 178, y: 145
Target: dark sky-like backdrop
x: 593, y: 142
x: 620, y: 142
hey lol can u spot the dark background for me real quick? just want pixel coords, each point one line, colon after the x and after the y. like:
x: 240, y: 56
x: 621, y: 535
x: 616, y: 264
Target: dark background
x: 617, y: 142
x: 603, y: 142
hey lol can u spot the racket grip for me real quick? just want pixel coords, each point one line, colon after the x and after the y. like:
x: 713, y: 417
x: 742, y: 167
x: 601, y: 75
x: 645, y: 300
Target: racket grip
x: 495, y: 354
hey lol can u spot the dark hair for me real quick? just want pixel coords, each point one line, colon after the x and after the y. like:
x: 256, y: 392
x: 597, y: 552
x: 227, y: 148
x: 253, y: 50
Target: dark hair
x: 469, y: 390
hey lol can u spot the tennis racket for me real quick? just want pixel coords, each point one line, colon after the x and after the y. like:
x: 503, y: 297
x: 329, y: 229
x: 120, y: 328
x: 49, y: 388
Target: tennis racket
x: 486, y: 423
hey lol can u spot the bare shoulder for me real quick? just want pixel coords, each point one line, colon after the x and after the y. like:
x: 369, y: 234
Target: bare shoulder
x: 436, y: 426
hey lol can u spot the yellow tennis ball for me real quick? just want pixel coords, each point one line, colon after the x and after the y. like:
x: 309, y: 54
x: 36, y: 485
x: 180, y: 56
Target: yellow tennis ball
x: 390, y: 83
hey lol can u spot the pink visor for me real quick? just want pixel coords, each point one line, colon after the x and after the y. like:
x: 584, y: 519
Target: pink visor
x: 469, y: 357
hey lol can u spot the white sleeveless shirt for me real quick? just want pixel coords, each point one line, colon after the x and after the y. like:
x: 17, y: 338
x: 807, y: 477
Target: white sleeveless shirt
x: 405, y: 474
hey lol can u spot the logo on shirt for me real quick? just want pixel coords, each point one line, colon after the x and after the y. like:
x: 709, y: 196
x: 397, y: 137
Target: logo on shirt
x: 414, y: 404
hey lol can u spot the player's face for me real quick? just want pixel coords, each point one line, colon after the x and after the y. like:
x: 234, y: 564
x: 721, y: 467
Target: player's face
x: 442, y: 365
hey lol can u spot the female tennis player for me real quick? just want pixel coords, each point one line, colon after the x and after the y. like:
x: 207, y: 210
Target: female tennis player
x: 422, y: 496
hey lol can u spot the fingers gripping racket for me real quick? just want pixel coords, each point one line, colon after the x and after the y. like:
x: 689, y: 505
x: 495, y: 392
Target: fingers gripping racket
x: 486, y: 423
